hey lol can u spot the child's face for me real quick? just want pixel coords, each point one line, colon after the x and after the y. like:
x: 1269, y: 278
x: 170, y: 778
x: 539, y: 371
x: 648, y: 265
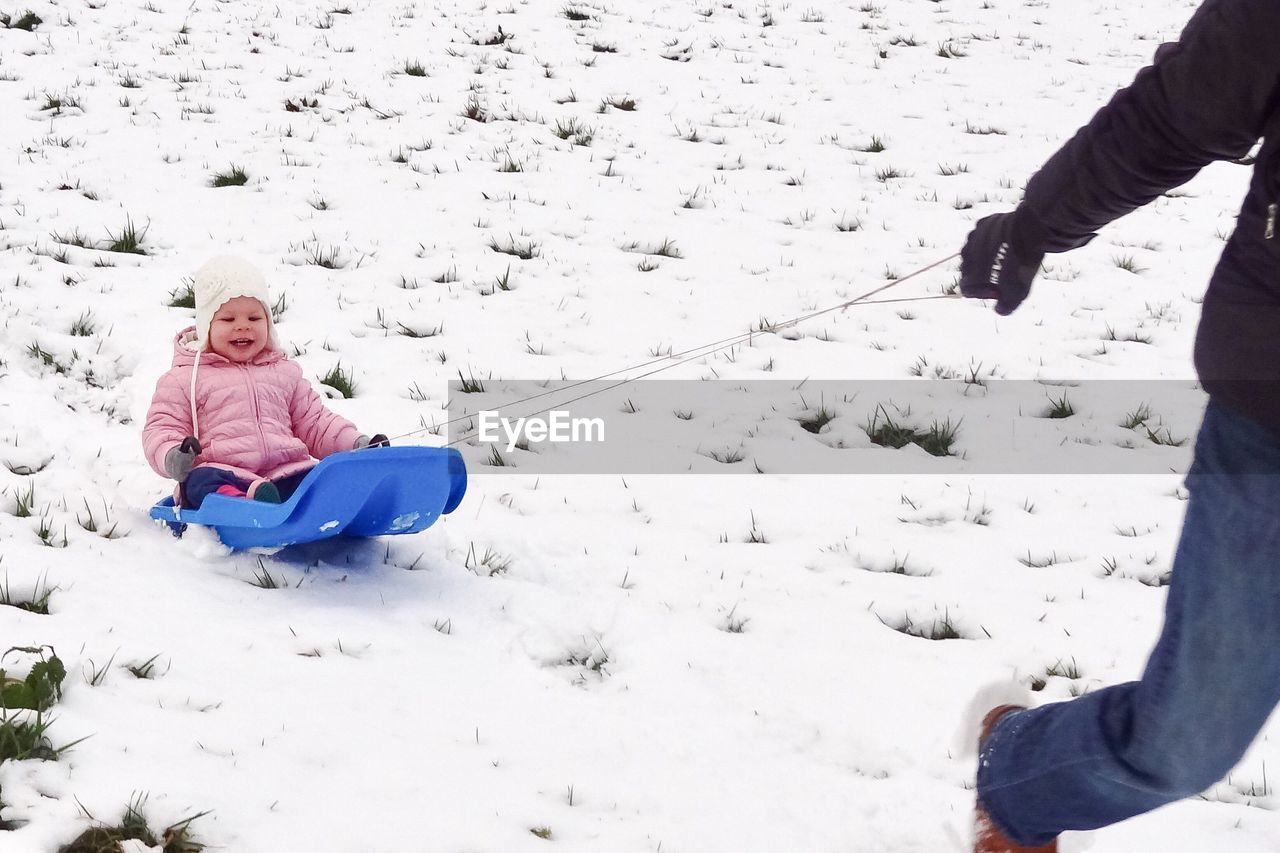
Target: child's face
x: 239, y: 329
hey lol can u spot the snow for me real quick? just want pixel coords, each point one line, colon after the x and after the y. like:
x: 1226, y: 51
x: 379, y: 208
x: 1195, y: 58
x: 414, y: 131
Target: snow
x: 400, y: 522
x: 632, y: 661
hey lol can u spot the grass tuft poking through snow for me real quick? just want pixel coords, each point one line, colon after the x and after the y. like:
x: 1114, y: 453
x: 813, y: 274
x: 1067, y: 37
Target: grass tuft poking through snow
x: 128, y: 241
x: 234, y: 177
x: 133, y: 826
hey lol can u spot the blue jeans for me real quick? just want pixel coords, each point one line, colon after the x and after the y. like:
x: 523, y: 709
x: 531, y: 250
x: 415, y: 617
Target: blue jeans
x: 1208, y: 688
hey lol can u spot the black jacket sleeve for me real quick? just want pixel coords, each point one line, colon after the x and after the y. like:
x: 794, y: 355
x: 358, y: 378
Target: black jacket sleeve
x: 1206, y: 97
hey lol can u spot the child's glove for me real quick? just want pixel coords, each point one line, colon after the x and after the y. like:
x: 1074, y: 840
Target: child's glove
x: 379, y: 440
x: 179, y: 461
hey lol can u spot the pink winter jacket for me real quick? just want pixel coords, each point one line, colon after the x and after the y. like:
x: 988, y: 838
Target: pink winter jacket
x: 260, y: 419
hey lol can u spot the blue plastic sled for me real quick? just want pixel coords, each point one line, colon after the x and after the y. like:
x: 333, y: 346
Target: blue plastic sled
x: 377, y: 491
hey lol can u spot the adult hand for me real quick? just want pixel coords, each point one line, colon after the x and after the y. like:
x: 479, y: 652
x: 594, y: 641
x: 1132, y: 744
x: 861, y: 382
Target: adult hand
x: 999, y: 262
x: 179, y: 461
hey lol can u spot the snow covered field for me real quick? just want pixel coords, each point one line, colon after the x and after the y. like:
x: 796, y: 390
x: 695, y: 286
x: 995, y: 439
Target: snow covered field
x: 681, y: 663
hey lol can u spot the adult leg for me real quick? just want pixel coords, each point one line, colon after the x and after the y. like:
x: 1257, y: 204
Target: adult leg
x: 1208, y: 688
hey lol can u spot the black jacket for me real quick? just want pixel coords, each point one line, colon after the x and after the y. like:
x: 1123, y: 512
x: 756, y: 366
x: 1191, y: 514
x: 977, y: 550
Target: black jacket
x: 1209, y: 96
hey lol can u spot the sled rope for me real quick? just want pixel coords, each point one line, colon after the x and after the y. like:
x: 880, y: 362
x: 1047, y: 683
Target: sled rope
x: 628, y: 380
x: 698, y: 352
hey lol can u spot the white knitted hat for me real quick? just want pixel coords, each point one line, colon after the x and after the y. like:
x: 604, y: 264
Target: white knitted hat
x: 222, y: 279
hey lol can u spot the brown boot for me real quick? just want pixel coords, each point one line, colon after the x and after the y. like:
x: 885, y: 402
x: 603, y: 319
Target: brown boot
x: 987, y: 838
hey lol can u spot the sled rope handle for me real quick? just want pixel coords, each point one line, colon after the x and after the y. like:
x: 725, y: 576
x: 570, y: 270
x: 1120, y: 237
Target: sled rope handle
x: 697, y: 352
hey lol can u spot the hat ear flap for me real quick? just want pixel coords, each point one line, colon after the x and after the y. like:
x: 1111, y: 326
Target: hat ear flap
x: 272, y: 337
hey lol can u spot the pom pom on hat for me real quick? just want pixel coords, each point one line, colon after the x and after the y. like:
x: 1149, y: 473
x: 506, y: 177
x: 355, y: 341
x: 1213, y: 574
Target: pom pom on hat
x: 222, y: 279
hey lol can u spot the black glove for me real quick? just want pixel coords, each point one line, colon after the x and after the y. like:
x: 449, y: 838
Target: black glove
x: 999, y: 261
x: 378, y: 440
x: 179, y: 461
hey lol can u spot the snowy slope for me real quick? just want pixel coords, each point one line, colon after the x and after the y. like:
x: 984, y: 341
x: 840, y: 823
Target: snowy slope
x: 633, y: 663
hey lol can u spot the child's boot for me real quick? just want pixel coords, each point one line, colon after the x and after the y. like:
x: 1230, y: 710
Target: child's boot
x: 265, y: 491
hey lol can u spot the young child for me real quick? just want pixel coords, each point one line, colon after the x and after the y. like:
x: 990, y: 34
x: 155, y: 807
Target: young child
x: 234, y: 415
